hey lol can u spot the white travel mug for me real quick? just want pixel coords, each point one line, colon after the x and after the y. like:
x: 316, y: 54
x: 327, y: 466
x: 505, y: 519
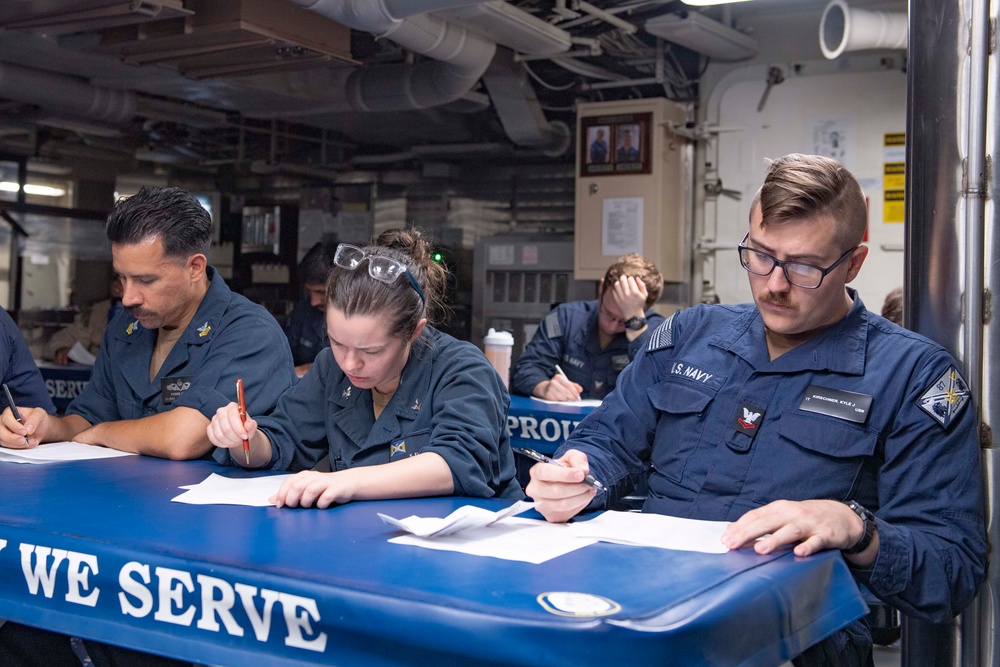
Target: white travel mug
x: 498, y: 346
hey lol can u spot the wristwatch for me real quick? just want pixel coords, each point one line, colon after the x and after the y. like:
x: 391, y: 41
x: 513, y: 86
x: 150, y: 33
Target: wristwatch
x: 635, y: 323
x: 869, y: 534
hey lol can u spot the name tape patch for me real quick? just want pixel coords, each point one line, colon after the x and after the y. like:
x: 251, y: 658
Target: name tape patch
x: 837, y: 403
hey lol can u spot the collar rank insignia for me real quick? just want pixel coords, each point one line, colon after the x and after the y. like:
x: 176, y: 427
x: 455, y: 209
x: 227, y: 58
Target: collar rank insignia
x: 944, y: 399
x: 749, y: 419
x: 131, y: 327
x: 397, y: 448
x: 346, y: 393
x: 416, y: 405
x: 204, y: 329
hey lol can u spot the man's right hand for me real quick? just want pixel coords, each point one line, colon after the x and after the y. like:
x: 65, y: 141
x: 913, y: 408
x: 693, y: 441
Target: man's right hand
x: 559, y: 492
x: 558, y: 388
x: 12, y: 434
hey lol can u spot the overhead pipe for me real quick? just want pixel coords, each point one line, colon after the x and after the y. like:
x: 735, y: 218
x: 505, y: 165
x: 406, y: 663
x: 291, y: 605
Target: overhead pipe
x: 519, y: 109
x: 66, y: 94
x: 459, y: 56
x: 843, y: 29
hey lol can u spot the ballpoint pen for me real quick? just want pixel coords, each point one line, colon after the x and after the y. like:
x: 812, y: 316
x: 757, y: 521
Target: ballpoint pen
x: 14, y: 411
x: 242, y: 403
x: 560, y: 371
x: 532, y: 454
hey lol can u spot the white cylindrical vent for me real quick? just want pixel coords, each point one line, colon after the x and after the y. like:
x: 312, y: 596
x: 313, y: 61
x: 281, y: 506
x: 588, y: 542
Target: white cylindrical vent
x: 843, y: 29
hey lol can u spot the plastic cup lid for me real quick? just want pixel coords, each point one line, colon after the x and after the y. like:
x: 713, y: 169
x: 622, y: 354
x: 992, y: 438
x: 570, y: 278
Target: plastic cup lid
x: 494, y: 337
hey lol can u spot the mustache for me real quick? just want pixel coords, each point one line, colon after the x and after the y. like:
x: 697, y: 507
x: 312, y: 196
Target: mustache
x: 136, y: 311
x: 777, y: 299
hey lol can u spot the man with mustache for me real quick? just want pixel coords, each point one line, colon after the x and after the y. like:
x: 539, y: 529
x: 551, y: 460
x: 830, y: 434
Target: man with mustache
x: 804, y: 419
x: 171, y: 359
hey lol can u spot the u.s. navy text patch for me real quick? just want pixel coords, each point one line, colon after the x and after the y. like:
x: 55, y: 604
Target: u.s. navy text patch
x: 944, y: 399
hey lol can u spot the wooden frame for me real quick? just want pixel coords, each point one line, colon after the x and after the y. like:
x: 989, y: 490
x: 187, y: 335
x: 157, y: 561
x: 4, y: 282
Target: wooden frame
x: 615, y: 144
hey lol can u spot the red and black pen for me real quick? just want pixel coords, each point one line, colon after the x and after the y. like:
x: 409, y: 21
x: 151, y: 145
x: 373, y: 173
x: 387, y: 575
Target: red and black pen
x: 241, y: 401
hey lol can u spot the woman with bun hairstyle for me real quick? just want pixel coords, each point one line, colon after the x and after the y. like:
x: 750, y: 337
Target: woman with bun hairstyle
x: 401, y: 409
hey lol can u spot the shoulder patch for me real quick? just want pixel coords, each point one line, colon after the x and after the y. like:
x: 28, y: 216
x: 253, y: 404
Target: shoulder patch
x: 946, y: 397
x: 663, y: 335
x: 552, y: 327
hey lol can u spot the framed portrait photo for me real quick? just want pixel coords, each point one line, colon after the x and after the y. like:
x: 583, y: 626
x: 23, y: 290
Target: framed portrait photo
x: 615, y: 144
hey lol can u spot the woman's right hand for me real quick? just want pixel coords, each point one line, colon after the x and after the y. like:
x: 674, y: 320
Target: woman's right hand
x: 228, y: 431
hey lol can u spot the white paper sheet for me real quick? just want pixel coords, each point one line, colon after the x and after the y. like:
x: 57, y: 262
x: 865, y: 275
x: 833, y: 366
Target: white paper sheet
x: 81, y: 355
x: 581, y: 403
x: 654, y: 530
x: 526, y: 540
x: 220, y: 490
x: 466, y: 517
x: 536, y: 541
x: 55, y: 452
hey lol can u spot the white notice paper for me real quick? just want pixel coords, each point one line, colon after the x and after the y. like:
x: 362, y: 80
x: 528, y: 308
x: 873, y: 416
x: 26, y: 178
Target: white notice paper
x: 220, y: 490
x: 55, y: 452
x: 621, y: 226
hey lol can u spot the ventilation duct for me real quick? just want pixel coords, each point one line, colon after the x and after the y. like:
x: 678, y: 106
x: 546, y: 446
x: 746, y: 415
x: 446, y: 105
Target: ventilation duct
x: 518, y: 108
x: 66, y: 94
x: 842, y: 29
x: 460, y: 57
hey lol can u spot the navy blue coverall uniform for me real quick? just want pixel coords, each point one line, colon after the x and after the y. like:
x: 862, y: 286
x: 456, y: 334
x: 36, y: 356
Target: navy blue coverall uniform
x: 229, y: 337
x: 449, y: 401
x: 568, y: 336
x: 866, y: 410
x: 19, y: 371
x: 306, y: 332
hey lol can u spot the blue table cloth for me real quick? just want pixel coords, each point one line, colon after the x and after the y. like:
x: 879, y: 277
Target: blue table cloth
x: 96, y: 549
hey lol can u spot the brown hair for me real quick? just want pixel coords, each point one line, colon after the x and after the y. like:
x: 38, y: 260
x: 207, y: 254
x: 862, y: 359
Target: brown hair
x: 804, y: 186
x: 357, y: 293
x: 892, y: 309
x: 638, y: 266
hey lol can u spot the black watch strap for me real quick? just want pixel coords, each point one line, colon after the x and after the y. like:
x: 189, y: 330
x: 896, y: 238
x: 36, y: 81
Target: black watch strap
x: 635, y: 323
x: 869, y: 534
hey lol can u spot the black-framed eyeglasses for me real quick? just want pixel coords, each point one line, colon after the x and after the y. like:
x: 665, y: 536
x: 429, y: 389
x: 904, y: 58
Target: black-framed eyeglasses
x: 800, y: 274
x: 381, y: 268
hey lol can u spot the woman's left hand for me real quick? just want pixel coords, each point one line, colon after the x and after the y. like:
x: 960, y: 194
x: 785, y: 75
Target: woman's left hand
x: 310, y: 488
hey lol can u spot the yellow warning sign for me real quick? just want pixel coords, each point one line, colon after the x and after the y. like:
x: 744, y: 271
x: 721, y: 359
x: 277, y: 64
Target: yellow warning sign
x: 894, y: 206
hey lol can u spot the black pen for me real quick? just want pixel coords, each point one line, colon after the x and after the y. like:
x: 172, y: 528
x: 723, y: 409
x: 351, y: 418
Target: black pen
x: 542, y: 458
x: 14, y: 411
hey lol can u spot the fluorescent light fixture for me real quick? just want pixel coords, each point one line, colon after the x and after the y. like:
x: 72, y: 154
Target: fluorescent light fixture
x: 704, y: 35
x: 709, y: 3
x: 32, y: 189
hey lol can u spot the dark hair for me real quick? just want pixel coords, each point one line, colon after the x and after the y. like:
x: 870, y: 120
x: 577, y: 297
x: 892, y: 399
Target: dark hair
x: 357, y: 293
x: 315, y: 265
x: 172, y: 214
x: 634, y: 264
x: 804, y: 186
x: 892, y: 309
